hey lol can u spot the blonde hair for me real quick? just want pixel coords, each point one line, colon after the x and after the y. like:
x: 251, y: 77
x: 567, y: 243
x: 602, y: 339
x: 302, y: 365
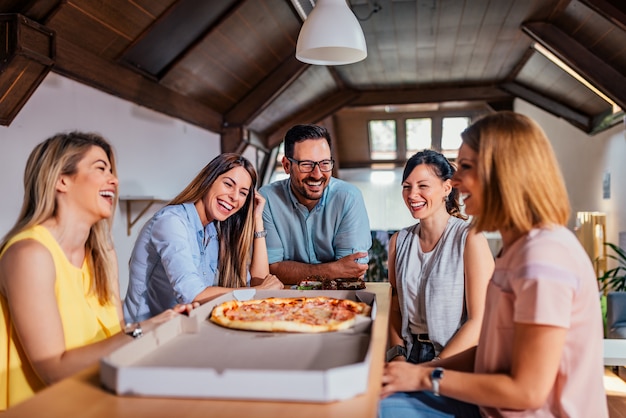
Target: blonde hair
x: 235, y: 232
x: 521, y: 180
x: 56, y: 156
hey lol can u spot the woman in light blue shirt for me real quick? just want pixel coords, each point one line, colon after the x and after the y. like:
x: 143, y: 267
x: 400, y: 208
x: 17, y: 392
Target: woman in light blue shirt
x: 216, y: 217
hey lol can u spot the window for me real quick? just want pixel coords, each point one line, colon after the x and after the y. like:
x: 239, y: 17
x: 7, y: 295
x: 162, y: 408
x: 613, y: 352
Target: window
x: 396, y: 140
x: 418, y: 135
x: 451, y: 135
x: 278, y: 173
x: 383, y: 144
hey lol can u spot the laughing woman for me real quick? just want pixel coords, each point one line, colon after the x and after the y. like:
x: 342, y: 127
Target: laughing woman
x: 216, y: 217
x: 540, y: 349
x: 59, y: 292
x: 438, y: 268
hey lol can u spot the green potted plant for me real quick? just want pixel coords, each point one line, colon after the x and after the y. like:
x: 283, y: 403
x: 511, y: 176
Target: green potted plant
x: 613, y: 283
x: 615, y: 278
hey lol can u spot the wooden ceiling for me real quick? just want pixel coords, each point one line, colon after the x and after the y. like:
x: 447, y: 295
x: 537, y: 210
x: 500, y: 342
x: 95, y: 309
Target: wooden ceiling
x: 228, y: 65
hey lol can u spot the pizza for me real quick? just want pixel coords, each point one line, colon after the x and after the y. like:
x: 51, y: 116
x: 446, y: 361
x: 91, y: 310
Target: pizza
x: 323, y: 283
x: 299, y: 314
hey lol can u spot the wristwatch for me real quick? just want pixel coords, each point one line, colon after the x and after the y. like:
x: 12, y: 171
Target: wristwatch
x: 260, y: 234
x: 134, y: 330
x: 435, y: 377
x: 395, y: 351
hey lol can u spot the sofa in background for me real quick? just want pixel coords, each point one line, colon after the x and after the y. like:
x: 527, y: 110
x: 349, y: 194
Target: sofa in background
x: 616, y: 315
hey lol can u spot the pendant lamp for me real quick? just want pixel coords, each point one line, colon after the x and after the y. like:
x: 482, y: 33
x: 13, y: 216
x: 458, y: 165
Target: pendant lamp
x: 331, y: 35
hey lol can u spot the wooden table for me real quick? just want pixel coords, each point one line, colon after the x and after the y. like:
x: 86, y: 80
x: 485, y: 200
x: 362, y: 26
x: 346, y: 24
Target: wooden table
x: 82, y: 395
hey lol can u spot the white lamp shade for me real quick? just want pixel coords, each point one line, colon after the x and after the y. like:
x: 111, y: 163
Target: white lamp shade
x: 331, y: 35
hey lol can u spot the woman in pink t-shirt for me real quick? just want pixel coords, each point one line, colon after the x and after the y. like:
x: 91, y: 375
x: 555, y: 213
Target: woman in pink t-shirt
x: 540, y: 348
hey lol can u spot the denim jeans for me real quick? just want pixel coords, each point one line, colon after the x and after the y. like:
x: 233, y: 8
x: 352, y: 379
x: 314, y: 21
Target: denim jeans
x: 424, y: 404
x: 421, y: 352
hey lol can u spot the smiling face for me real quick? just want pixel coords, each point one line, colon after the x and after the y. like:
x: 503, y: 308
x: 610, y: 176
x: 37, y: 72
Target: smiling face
x: 93, y: 186
x: 466, y: 180
x: 308, y: 187
x: 424, y: 193
x: 226, y: 196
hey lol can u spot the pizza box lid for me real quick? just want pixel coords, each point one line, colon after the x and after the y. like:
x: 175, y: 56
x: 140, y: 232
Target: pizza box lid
x: 192, y: 357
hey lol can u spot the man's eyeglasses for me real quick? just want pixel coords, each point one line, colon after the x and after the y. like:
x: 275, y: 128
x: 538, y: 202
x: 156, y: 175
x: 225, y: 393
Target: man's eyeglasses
x: 306, y: 166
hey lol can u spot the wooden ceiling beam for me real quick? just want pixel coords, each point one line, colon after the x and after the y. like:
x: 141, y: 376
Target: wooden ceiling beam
x: 326, y: 107
x: 431, y: 95
x: 37, y: 10
x: 257, y: 100
x: 595, y: 70
x: 85, y: 67
x: 578, y: 119
x: 26, y: 56
x: 611, y: 11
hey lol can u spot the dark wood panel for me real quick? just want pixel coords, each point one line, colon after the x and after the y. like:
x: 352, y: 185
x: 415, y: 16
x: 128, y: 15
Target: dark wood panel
x: 430, y: 95
x: 83, y: 66
x: 87, y: 32
x: 614, y: 10
x: 120, y: 16
x: 263, y: 94
x: 154, y: 8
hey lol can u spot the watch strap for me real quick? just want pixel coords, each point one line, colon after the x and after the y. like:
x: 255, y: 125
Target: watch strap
x: 435, y: 378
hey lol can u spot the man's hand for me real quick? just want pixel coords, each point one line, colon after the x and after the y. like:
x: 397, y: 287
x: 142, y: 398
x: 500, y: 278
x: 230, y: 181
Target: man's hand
x: 349, y: 268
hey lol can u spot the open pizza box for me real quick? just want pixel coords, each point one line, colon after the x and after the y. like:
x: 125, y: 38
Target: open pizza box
x: 192, y: 357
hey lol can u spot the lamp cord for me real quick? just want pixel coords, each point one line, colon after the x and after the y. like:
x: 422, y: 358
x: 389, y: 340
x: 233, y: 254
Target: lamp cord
x: 376, y: 9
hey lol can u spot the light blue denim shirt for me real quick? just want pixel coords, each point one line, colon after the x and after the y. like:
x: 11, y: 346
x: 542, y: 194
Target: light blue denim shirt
x: 337, y: 226
x: 172, y: 262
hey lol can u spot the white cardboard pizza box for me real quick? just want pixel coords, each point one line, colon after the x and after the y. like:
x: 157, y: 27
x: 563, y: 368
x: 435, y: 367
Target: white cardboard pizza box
x: 192, y: 357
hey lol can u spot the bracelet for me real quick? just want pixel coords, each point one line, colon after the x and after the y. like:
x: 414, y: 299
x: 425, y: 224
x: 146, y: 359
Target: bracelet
x: 260, y: 234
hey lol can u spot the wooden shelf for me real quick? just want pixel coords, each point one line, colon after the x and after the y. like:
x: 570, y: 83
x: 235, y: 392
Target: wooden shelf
x: 146, y: 201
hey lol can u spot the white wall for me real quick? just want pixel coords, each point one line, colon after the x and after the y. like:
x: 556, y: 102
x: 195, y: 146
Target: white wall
x: 584, y: 160
x: 382, y: 194
x: 157, y: 155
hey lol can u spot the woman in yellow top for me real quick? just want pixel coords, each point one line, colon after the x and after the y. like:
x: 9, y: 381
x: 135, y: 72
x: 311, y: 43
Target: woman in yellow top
x: 59, y: 292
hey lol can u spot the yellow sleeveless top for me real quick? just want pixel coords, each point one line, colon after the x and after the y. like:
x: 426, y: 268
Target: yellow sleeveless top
x: 84, y: 320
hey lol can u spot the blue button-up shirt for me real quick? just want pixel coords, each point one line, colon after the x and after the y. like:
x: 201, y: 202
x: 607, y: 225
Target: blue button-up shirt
x: 337, y: 226
x: 174, y: 259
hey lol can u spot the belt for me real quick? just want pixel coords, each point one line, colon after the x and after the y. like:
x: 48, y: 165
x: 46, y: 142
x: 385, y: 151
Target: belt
x: 423, y: 338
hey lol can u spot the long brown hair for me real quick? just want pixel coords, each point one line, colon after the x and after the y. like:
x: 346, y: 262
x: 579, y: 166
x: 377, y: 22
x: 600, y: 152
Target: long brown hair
x: 56, y: 156
x: 235, y: 232
x: 521, y: 180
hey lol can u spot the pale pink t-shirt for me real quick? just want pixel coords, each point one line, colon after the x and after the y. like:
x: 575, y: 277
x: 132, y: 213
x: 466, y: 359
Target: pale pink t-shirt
x: 547, y: 278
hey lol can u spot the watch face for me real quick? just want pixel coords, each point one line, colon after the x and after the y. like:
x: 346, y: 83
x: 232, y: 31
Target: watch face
x: 437, y: 373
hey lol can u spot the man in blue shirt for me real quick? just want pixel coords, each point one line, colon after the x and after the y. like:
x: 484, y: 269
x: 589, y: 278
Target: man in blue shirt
x: 316, y: 224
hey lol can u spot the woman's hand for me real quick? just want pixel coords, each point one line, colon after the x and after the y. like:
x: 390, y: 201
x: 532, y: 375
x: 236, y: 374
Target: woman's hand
x: 401, y: 376
x: 185, y: 308
x: 259, y: 204
x: 150, y: 324
x: 270, y: 282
